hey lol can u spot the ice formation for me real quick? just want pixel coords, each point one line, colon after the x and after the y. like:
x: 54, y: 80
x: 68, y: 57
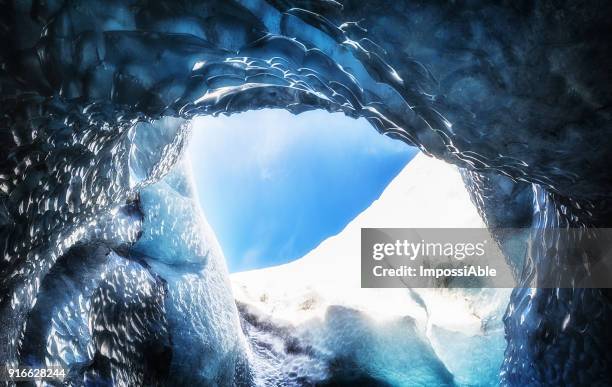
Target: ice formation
x: 93, y: 97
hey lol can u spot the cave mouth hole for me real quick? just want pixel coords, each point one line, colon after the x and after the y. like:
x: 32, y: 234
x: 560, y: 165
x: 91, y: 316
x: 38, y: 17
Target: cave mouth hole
x: 273, y: 185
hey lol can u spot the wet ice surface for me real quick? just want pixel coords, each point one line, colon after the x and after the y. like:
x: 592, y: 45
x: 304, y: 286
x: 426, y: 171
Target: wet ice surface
x: 178, y: 245
x: 521, y: 90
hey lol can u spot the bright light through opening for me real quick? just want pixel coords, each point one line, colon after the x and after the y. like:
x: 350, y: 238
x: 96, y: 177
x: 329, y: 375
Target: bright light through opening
x: 273, y: 185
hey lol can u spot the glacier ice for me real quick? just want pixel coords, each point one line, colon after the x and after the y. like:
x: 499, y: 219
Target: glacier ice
x: 93, y: 98
x: 178, y: 245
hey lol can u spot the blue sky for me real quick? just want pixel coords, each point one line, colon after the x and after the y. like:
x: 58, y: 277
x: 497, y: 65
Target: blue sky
x: 274, y: 185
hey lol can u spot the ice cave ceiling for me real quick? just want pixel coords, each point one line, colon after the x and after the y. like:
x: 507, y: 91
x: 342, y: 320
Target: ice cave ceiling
x: 517, y: 93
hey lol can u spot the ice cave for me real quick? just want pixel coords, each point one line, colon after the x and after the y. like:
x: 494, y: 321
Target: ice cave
x: 110, y: 270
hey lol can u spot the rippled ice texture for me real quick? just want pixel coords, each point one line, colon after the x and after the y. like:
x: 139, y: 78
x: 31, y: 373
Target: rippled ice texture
x: 516, y: 93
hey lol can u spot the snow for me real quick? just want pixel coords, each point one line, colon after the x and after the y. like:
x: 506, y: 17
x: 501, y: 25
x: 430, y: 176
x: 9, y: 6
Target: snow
x: 426, y: 193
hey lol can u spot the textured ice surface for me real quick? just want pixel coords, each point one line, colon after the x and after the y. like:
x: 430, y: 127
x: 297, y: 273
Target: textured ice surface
x: 178, y: 245
x: 520, y: 89
x: 346, y: 346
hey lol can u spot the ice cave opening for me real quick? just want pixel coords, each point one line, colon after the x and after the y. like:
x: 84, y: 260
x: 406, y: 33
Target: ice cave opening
x: 274, y: 185
x: 318, y: 295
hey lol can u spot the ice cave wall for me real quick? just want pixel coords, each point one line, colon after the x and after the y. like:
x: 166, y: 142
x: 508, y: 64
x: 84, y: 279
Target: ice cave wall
x: 519, y: 89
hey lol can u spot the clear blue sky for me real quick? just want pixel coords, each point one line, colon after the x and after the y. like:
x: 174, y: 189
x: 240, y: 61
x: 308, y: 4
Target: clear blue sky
x: 274, y: 185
